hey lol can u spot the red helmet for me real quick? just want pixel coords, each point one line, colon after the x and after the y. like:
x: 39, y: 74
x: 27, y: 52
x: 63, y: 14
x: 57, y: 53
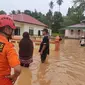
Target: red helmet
x: 5, y: 20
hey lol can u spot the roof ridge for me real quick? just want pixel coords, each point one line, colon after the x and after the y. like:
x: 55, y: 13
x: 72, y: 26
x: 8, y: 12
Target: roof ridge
x: 24, y: 18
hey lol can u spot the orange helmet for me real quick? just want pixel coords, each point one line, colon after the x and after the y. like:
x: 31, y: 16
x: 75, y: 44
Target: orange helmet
x: 5, y: 20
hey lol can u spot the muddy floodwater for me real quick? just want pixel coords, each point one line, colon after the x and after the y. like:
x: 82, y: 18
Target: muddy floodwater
x: 63, y: 67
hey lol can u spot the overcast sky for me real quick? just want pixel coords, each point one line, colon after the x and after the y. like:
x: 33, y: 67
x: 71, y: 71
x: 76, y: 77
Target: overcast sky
x: 40, y: 5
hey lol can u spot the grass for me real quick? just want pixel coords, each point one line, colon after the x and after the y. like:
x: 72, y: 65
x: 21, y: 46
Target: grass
x: 56, y: 34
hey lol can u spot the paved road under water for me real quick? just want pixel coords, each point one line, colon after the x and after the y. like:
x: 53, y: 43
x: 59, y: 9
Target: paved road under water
x: 63, y: 67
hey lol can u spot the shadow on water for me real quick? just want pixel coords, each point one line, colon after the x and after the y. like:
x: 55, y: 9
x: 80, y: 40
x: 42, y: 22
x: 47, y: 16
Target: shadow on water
x: 64, y: 67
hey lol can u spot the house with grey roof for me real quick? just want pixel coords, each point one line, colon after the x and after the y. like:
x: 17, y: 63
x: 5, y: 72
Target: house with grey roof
x: 75, y: 31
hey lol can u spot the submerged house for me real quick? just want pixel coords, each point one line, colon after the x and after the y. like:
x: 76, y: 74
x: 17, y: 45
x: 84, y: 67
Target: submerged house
x: 27, y: 23
x: 75, y: 31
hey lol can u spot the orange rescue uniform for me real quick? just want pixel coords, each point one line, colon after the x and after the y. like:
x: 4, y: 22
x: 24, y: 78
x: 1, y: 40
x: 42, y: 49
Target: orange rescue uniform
x: 57, y: 43
x: 8, y: 60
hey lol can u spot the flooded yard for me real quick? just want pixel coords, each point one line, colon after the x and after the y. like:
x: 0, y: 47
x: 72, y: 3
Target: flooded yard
x: 63, y: 67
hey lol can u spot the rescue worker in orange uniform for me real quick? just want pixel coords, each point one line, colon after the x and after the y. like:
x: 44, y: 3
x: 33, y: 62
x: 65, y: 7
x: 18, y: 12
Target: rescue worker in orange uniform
x: 57, y: 43
x: 8, y: 56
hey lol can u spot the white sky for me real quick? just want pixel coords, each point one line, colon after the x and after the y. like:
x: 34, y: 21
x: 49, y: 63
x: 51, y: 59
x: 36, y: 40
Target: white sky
x: 39, y: 5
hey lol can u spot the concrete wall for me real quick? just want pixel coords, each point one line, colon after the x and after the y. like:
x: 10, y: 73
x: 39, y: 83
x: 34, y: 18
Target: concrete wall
x: 35, y: 28
x: 50, y: 32
x: 25, y: 27
x: 21, y: 25
x: 74, y: 34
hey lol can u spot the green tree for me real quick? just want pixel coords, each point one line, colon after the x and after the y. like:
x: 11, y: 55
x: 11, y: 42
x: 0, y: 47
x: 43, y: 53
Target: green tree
x: 80, y: 4
x: 59, y: 2
x: 42, y: 18
x: 49, y: 18
x: 38, y: 15
x: 2, y: 12
x: 67, y: 21
x: 35, y: 14
x: 51, y: 5
x: 57, y: 21
x: 69, y: 11
x: 28, y: 12
x: 18, y: 12
x: 13, y: 12
x: 75, y: 14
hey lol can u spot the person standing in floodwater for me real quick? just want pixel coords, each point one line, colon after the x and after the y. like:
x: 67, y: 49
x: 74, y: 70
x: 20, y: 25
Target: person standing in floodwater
x: 44, y: 46
x: 26, y: 50
x: 57, y: 42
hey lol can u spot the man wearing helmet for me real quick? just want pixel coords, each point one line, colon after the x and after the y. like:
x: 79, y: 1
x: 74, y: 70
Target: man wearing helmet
x: 8, y: 56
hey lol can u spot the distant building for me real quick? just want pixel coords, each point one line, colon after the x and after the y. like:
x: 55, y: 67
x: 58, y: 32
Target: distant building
x: 75, y: 31
x: 27, y: 23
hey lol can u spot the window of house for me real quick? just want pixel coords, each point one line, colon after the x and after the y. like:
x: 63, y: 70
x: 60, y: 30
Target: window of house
x: 39, y: 33
x: 79, y: 32
x: 17, y: 31
x: 31, y: 32
x: 72, y: 32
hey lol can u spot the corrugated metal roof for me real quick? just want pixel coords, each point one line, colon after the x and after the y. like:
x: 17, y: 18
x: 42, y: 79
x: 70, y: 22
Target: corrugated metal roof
x: 76, y: 26
x: 26, y: 19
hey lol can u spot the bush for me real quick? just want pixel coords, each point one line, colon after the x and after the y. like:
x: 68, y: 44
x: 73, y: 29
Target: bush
x: 57, y: 34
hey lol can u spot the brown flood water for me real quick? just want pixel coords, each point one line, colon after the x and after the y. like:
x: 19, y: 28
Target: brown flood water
x: 63, y: 67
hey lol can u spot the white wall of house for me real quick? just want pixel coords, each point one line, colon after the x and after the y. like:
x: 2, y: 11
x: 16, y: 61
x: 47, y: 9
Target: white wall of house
x: 35, y: 28
x: 25, y: 27
x: 75, y: 34
x: 67, y: 33
x: 50, y: 32
x: 21, y: 25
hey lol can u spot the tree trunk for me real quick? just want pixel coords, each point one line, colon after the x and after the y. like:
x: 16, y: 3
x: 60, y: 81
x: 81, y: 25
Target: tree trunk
x: 59, y: 8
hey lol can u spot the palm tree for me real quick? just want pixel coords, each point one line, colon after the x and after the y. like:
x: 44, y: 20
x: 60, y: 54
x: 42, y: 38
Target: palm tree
x: 50, y: 13
x: 2, y: 12
x: 13, y: 12
x: 59, y: 2
x: 80, y: 4
x: 78, y: 1
x: 51, y: 4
